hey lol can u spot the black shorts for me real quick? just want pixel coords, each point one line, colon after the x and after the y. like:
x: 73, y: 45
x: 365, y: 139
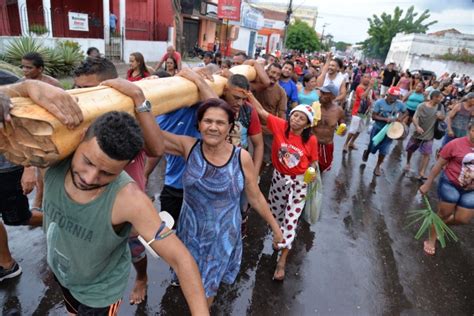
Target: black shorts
x: 171, y: 200
x: 73, y: 306
x: 14, y: 206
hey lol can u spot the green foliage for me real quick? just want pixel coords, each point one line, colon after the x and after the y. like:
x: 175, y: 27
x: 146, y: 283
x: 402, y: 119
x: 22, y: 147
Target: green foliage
x: 58, y: 61
x: 302, y: 37
x: 38, y: 29
x: 461, y: 55
x: 429, y: 218
x: 342, y: 46
x: 382, y: 29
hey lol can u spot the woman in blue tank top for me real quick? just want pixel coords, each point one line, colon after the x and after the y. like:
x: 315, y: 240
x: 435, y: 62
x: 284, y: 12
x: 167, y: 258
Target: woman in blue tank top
x: 215, y: 175
x: 308, y: 94
x: 413, y: 100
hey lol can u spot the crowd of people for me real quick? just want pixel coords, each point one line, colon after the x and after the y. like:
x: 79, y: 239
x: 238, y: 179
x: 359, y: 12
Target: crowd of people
x: 215, y: 151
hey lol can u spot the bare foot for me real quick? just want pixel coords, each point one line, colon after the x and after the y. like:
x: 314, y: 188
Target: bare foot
x: 378, y: 172
x: 429, y: 247
x: 279, y: 274
x: 139, y: 291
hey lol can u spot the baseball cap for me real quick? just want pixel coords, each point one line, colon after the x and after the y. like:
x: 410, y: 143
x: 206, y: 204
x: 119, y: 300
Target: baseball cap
x: 306, y: 109
x: 330, y: 88
x: 395, y: 91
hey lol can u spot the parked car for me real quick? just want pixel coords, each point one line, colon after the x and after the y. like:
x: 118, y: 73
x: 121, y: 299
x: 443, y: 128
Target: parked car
x: 425, y: 74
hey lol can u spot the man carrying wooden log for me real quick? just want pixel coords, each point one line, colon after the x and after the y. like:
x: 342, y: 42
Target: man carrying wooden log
x: 91, y: 73
x: 90, y: 204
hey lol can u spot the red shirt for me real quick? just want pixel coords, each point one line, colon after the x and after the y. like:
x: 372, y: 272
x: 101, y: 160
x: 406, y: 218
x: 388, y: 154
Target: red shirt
x: 176, y: 56
x: 460, y: 167
x: 289, y: 155
x: 136, y: 169
x: 138, y: 78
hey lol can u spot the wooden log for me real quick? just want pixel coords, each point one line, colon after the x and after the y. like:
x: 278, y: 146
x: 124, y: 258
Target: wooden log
x: 41, y: 139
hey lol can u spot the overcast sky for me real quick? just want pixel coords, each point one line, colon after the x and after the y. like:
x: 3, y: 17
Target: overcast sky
x: 347, y: 19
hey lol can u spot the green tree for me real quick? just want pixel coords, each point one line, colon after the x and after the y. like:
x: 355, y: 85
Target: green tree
x: 342, y: 46
x: 382, y: 29
x: 302, y: 37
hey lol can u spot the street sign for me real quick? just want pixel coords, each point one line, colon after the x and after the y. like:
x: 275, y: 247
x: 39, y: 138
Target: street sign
x: 229, y: 9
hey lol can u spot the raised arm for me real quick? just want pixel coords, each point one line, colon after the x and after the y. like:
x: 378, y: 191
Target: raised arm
x: 324, y: 71
x: 205, y: 91
x: 133, y: 206
x: 262, y: 113
x: 262, y: 81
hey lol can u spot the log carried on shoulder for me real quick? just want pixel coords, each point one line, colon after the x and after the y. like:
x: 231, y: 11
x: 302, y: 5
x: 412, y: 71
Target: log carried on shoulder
x: 35, y: 137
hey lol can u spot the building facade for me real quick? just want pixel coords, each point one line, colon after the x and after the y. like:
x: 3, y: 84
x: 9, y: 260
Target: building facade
x: 422, y: 51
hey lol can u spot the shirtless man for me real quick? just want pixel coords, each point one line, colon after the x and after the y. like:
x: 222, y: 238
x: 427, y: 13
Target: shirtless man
x: 331, y: 116
x: 32, y: 65
x: 273, y: 99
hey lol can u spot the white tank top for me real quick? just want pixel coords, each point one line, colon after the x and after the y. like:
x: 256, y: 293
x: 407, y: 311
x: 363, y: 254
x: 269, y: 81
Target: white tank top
x: 336, y: 81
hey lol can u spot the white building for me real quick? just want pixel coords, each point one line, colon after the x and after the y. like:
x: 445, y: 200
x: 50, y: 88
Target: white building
x: 251, y: 20
x: 422, y: 51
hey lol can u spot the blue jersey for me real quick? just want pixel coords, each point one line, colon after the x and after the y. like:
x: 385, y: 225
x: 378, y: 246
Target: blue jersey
x: 179, y: 122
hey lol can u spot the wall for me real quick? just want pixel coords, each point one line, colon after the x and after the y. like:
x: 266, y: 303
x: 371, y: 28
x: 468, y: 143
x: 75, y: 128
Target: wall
x: 207, y: 34
x: 242, y: 42
x: 152, y: 51
x: 85, y: 43
x: 405, y: 45
x: 440, y: 66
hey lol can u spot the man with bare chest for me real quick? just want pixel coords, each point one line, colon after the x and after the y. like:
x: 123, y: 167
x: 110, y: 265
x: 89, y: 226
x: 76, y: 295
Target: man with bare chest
x: 331, y: 116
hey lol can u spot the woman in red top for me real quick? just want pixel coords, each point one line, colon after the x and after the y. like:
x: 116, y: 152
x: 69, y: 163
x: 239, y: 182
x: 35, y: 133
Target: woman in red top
x: 294, y: 150
x: 455, y: 186
x: 171, y: 66
x: 138, y: 69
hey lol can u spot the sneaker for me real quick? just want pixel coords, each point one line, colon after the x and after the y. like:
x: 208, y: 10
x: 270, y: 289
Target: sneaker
x: 12, y: 272
x: 365, y: 155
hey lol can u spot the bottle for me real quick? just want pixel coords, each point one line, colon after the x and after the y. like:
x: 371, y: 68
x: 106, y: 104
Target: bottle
x: 341, y: 129
x: 309, y: 174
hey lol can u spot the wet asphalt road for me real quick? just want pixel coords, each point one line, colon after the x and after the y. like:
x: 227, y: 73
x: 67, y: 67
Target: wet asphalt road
x: 359, y: 259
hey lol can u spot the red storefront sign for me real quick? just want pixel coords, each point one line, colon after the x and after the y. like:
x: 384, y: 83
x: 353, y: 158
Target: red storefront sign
x: 229, y: 9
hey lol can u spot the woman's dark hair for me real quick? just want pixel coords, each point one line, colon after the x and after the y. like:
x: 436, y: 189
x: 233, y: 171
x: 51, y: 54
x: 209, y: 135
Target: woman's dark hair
x: 307, y: 78
x: 305, y: 135
x: 174, y: 62
x: 118, y: 134
x: 141, y: 63
x: 216, y: 103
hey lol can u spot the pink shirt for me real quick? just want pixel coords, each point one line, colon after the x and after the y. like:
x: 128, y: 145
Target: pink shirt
x: 460, y: 168
x: 136, y: 169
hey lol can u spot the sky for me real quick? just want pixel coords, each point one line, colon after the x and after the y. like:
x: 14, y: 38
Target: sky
x: 347, y: 21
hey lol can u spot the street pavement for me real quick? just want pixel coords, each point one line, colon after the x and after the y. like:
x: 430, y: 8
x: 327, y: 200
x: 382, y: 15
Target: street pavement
x: 359, y: 259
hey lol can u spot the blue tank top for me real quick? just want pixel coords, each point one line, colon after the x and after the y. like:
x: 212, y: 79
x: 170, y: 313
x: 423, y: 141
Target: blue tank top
x: 309, y: 98
x: 414, y: 100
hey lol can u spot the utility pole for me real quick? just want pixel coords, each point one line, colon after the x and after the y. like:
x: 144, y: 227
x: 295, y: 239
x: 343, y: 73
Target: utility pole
x: 289, y: 12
